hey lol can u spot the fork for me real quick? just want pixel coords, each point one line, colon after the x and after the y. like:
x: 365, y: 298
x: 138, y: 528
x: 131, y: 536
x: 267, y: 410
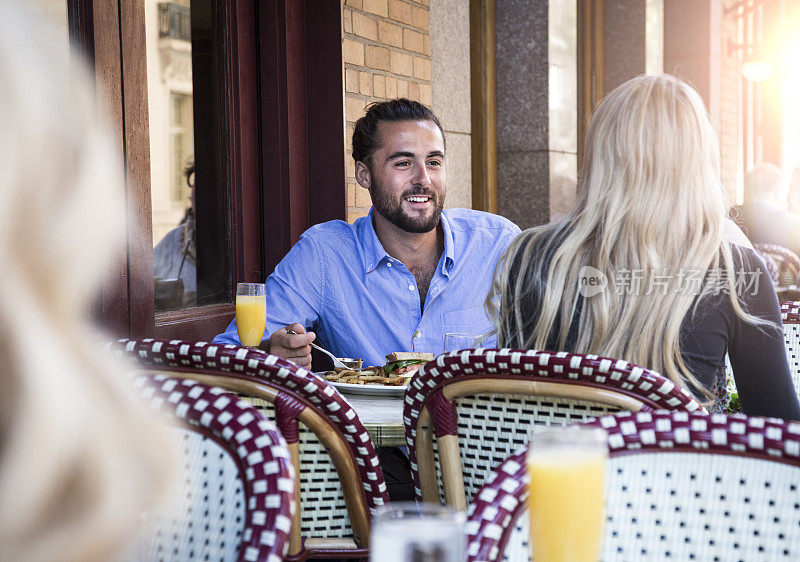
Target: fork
x: 336, y: 363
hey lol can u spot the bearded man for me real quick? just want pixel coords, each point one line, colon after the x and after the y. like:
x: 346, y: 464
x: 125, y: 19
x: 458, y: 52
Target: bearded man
x: 399, y: 278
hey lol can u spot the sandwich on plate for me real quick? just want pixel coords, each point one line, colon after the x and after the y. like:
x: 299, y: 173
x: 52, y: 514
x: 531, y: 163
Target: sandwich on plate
x: 405, y: 363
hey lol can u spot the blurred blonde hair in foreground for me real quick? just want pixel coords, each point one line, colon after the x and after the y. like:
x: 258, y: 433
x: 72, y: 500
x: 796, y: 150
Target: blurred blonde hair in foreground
x: 80, y: 459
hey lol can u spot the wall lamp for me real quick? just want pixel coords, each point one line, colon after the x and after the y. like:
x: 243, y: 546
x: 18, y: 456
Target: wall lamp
x: 757, y: 65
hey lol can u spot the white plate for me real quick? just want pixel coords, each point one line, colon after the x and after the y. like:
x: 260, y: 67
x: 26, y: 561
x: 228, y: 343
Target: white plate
x: 365, y: 389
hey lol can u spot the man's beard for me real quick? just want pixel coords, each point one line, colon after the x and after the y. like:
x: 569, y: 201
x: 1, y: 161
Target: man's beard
x: 392, y: 209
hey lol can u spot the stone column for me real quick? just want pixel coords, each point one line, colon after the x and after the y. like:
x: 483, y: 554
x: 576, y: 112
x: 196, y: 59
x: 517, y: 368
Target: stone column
x: 523, y: 170
x: 536, y: 109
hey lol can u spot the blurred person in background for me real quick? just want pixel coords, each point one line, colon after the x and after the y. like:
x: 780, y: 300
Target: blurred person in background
x: 80, y: 458
x: 646, y: 267
x: 764, y: 215
x: 175, y: 258
x: 794, y: 193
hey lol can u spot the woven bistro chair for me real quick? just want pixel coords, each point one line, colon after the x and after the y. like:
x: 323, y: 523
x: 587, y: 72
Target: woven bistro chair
x: 679, y: 486
x: 236, y: 490
x: 466, y: 411
x: 787, y: 261
x: 790, y: 315
x: 340, y: 478
x: 772, y: 267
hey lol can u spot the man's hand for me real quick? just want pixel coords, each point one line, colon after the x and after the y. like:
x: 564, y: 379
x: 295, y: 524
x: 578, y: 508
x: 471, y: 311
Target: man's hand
x: 293, y: 347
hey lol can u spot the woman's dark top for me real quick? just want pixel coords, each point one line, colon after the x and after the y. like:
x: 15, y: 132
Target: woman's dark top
x: 757, y: 353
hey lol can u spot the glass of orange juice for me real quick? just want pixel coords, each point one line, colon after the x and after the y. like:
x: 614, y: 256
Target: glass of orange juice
x: 251, y: 313
x: 566, y: 467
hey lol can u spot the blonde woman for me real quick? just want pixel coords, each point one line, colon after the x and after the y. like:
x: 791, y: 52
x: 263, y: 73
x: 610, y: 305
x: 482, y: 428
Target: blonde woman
x: 79, y: 460
x: 646, y: 267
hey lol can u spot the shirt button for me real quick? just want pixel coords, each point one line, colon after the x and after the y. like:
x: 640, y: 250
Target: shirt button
x: 388, y: 264
x: 411, y: 287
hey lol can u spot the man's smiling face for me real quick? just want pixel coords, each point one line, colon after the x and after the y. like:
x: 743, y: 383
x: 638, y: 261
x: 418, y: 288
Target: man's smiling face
x: 406, y: 178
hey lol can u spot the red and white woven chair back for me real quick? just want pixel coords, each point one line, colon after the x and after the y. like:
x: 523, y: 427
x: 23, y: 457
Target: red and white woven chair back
x: 493, y: 423
x: 790, y: 314
x: 787, y: 262
x: 324, y: 510
x: 236, y: 495
x: 679, y: 486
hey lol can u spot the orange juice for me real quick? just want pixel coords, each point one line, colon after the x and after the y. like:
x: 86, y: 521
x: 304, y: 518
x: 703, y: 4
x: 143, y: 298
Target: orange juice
x: 565, y: 503
x: 251, y: 318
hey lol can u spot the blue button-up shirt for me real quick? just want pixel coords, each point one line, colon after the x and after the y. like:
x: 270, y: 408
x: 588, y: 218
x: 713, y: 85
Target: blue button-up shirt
x: 362, y: 303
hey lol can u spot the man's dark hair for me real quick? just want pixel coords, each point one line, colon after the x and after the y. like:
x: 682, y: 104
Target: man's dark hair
x: 365, y: 137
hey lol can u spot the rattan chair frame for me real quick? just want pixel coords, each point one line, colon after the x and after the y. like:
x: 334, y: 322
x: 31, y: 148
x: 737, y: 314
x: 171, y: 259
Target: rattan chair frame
x: 438, y: 399
x: 302, y: 402
x: 787, y: 262
x: 253, y: 443
x: 496, y: 529
x: 772, y: 267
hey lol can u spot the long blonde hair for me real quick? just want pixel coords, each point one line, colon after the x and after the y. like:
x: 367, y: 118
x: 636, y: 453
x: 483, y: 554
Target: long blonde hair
x: 650, y: 210
x: 80, y: 459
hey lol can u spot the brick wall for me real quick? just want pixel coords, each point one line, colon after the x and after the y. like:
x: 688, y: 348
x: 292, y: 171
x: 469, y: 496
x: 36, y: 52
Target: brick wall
x: 386, y: 54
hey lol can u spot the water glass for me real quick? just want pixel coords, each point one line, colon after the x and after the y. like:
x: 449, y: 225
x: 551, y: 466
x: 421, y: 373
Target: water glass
x: 251, y: 313
x: 455, y: 342
x: 566, y: 467
x: 408, y: 532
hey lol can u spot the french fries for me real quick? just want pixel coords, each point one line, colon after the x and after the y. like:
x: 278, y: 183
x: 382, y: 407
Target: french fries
x: 370, y: 375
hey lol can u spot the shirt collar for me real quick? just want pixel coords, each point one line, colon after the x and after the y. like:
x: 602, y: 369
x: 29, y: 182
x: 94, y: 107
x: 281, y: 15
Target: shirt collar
x: 374, y: 254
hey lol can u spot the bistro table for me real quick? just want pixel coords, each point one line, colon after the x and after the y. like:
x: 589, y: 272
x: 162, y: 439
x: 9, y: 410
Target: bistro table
x: 382, y: 417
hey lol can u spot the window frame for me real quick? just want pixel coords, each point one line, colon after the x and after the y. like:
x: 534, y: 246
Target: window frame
x: 591, y: 65
x: 284, y: 139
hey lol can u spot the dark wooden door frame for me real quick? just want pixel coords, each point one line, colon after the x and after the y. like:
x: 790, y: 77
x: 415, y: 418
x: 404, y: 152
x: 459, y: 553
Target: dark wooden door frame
x: 111, y: 33
x: 326, y: 143
x: 302, y: 120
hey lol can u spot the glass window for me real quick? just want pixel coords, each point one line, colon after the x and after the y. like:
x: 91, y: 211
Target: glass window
x: 189, y: 202
x: 181, y: 140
